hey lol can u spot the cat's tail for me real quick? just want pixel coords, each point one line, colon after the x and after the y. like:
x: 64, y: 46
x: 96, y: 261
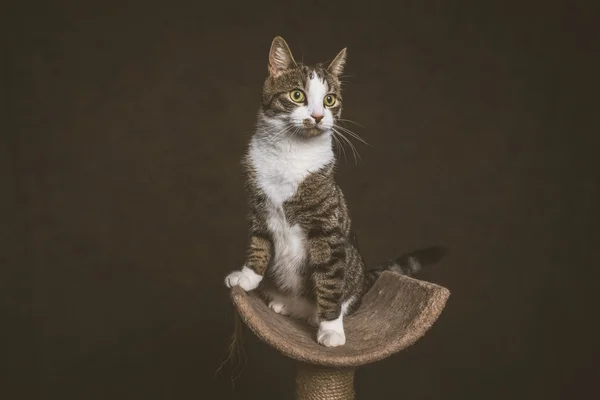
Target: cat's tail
x: 407, y: 264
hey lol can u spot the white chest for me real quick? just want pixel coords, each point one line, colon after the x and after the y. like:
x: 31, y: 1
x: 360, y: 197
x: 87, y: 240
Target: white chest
x: 280, y: 168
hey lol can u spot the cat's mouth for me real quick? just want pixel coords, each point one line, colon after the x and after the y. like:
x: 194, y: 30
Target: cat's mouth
x: 311, y: 128
x: 313, y: 131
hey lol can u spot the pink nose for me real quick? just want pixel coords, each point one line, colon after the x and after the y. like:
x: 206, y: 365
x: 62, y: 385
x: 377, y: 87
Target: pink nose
x: 317, y: 117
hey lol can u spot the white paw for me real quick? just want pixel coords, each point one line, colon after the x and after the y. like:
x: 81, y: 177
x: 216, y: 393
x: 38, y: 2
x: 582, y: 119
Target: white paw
x: 279, y: 307
x: 331, y: 333
x: 331, y: 338
x: 246, y: 279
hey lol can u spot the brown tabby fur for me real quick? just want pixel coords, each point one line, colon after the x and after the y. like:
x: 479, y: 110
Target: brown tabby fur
x: 334, y: 271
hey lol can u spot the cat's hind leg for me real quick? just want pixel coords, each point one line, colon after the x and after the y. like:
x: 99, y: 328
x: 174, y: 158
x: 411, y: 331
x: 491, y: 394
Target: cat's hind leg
x: 293, y: 306
x: 279, y: 307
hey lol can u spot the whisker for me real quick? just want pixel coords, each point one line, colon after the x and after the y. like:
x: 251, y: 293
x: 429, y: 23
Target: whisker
x: 277, y: 135
x: 354, y: 135
x: 354, y: 150
x: 340, y: 145
x: 349, y: 120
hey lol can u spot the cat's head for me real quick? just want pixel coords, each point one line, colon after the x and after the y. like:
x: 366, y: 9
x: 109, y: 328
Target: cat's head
x: 299, y: 99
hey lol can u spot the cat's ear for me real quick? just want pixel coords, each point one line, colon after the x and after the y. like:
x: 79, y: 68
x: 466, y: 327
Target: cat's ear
x: 337, y: 65
x: 280, y: 57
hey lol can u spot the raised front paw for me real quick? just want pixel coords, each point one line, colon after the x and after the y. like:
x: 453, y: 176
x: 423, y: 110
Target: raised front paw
x: 331, y: 338
x: 247, y: 279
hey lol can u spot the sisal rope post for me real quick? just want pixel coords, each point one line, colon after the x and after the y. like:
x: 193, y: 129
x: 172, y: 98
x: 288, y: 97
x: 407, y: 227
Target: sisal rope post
x: 394, y: 314
x: 324, y: 383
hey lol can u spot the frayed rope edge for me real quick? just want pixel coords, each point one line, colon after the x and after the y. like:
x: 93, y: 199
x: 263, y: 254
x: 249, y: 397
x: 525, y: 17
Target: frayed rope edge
x: 235, y: 350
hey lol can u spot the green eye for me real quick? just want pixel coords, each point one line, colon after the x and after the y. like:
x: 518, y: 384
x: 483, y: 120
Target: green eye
x: 297, y: 96
x: 329, y: 100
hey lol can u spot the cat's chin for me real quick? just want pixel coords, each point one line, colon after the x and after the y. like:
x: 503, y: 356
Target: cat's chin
x: 312, y: 132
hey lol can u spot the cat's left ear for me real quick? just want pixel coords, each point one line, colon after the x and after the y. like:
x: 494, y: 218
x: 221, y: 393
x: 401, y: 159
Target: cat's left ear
x: 280, y: 57
x: 337, y: 65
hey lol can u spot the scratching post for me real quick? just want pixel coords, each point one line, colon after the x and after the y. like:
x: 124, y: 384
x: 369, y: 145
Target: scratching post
x: 324, y: 383
x: 394, y: 314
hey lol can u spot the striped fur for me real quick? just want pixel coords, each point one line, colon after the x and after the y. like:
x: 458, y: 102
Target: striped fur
x: 302, y: 254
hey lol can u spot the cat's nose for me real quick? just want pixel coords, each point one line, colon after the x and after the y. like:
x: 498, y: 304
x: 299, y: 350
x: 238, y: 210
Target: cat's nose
x: 317, y: 117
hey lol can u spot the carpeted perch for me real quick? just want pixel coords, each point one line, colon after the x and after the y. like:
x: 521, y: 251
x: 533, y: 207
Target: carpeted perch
x: 395, y: 313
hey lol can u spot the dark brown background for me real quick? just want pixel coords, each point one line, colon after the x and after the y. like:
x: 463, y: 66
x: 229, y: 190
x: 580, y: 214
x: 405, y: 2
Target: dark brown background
x: 124, y: 207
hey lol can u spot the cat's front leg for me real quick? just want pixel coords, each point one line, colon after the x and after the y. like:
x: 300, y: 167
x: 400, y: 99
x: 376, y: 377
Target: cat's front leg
x: 328, y: 266
x: 246, y: 278
x: 329, y: 310
x: 257, y: 260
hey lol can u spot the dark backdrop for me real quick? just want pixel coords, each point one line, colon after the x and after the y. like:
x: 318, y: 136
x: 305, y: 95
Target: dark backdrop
x: 124, y: 209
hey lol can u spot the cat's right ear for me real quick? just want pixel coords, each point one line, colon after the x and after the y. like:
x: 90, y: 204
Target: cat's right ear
x: 337, y: 65
x: 280, y: 57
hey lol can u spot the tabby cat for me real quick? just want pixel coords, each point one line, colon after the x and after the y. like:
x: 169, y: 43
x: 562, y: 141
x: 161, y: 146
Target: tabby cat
x: 302, y: 255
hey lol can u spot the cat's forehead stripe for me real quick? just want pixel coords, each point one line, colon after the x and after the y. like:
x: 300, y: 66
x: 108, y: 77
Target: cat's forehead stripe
x: 317, y: 89
x: 316, y: 73
x: 316, y: 81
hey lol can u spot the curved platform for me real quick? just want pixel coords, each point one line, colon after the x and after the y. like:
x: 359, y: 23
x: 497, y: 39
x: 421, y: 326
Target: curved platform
x: 395, y: 313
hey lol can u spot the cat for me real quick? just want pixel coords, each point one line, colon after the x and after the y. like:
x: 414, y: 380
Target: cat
x: 302, y: 255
